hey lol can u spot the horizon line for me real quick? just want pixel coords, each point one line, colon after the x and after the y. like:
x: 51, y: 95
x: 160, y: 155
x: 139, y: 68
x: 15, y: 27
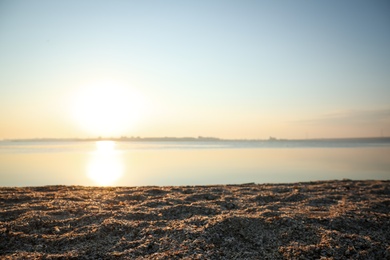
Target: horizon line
x: 184, y: 138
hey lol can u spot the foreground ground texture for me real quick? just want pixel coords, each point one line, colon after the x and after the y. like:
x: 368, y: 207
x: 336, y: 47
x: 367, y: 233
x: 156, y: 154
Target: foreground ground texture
x: 328, y: 220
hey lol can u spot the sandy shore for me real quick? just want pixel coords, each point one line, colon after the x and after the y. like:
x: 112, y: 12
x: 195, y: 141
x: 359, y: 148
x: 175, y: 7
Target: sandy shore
x: 327, y: 220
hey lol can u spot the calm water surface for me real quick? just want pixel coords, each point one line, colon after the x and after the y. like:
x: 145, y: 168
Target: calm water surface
x: 189, y: 163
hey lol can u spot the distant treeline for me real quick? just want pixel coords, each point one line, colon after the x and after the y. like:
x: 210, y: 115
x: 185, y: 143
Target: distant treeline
x: 204, y: 139
x: 122, y: 138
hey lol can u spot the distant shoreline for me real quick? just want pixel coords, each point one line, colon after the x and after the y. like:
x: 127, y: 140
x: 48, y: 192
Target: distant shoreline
x: 197, y: 139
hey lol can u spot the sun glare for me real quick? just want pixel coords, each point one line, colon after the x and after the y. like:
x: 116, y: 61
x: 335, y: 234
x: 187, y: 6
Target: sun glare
x: 105, y: 166
x: 106, y: 109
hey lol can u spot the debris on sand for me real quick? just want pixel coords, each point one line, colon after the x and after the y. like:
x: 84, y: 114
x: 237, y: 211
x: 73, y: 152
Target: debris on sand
x: 317, y: 220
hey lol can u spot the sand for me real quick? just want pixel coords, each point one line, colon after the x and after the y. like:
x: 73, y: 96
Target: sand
x: 317, y: 220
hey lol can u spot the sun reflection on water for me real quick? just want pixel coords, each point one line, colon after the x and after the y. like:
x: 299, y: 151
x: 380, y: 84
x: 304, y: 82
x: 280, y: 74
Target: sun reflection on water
x: 105, y: 166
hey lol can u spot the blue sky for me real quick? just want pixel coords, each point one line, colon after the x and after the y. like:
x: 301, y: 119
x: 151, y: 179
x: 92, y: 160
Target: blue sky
x: 233, y: 69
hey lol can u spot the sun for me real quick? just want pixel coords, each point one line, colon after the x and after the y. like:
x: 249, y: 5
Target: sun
x: 106, y: 108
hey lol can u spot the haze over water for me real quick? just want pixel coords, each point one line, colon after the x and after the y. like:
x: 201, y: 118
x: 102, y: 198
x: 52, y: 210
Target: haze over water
x: 189, y: 163
x: 231, y: 69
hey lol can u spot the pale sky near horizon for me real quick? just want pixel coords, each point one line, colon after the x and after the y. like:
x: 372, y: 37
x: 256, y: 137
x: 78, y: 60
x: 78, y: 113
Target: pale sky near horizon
x: 229, y: 69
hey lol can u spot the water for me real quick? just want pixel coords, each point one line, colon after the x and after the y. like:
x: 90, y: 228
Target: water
x: 190, y: 163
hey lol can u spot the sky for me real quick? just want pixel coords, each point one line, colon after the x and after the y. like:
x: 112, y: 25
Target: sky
x: 228, y: 69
